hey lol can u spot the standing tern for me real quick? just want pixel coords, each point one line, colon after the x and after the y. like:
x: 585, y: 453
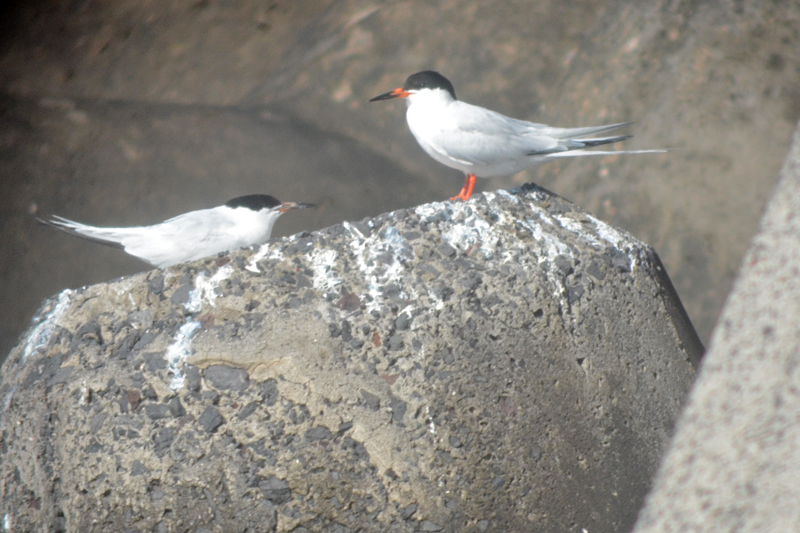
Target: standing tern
x: 241, y: 222
x: 481, y: 142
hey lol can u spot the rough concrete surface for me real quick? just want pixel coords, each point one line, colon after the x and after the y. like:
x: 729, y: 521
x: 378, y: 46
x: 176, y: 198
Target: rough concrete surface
x: 506, y: 364
x: 735, y: 459
x: 717, y: 81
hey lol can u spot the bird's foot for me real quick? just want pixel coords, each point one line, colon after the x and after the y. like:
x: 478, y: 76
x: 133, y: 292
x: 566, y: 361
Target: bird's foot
x: 466, y: 190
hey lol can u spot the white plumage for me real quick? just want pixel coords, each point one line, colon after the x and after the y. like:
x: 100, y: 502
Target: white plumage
x: 241, y: 222
x: 484, y: 143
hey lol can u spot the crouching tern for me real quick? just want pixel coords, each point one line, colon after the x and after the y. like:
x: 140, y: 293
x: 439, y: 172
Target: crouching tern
x: 484, y: 143
x: 241, y: 222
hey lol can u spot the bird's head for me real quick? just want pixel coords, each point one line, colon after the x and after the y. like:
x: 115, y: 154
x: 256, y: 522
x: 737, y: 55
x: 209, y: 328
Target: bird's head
x: 259, y: 202
x: 427, y: 82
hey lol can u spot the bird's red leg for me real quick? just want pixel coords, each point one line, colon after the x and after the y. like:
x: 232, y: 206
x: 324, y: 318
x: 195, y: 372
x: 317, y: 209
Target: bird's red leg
x: 466, y: 190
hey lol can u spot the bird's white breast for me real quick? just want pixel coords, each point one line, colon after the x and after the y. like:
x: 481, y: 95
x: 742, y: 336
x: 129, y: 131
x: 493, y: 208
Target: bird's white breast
x: 469, y: 138
x: 431, y: 118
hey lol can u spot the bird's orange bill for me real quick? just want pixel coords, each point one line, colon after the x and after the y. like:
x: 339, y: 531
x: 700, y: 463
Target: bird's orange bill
x: 466, y: 190
x: 397, y: 93
x: 288, y: 206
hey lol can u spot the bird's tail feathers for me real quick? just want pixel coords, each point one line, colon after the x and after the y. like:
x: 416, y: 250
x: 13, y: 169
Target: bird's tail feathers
x: 572, y: 133
x: 580, y: 153
x: 83, y: 231
x: 597, y: 141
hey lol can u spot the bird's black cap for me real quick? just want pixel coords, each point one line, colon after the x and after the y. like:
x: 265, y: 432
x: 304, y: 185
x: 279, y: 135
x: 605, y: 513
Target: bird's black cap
x: 256, y: 202
x: 429, y: 79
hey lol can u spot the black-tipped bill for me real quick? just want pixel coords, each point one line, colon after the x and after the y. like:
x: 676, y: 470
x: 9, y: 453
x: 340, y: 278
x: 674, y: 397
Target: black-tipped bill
x: 397, y: 93
x: 288, y: 206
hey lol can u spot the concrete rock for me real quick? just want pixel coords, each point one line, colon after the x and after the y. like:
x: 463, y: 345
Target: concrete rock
x: 717, y: 80
x: 735, y: 459
x: 547, y: 345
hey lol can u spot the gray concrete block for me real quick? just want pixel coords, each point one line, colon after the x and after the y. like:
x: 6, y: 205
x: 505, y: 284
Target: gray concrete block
x: 533, y: 385
x: 734, y: 464
x: 719, y: 83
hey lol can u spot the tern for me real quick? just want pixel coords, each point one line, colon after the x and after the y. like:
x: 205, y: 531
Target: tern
x: 481, y: 142
x: 241, y: 222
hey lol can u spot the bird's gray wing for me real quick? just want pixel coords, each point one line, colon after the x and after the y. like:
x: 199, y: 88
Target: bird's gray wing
x: 484, y: 136
x: 564, y: 139
x: 577, y: 133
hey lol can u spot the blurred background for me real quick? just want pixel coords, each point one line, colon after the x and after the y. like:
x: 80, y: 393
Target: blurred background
x: 128, y: 112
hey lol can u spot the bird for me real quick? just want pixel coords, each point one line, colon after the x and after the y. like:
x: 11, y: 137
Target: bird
x: 243, y: 221
x: 485, y: 143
